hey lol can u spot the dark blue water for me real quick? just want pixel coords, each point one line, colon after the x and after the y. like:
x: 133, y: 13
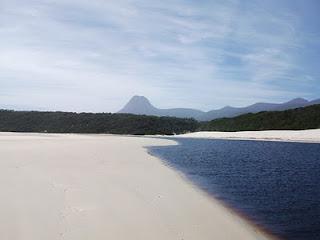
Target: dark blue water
x: 276, y: 185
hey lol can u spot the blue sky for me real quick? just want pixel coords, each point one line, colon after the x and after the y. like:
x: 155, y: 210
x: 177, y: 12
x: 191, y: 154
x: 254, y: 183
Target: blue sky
x: 79, y: 55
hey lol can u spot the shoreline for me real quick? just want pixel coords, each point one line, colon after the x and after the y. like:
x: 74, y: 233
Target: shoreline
x: 260, y: 233
x: 90, y: 183
x: 299, y: 136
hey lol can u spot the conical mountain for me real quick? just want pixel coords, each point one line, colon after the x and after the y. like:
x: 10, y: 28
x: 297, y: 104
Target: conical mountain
x: 139, y: 105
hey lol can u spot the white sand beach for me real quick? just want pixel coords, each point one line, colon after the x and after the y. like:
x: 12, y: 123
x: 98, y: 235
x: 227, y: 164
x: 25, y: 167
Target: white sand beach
x: 98, y: 187
x: 275, y: 135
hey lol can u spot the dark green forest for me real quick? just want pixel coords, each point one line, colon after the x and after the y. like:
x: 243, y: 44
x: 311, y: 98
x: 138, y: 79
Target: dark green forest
x: 68, y: 122
x: 294, y: 119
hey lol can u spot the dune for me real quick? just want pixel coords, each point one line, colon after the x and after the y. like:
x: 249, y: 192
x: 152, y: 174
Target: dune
x: 56, y: 186
x: 310, y: 136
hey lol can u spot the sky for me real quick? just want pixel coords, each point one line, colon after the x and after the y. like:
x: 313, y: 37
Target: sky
x: 93, y: 56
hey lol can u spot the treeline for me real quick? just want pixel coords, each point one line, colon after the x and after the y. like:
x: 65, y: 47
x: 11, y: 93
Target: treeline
x: 67, y: 122
x: 295, y: 119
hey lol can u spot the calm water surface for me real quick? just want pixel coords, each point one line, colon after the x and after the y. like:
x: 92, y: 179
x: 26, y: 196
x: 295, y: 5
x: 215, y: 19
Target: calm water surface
x: 274, y: 184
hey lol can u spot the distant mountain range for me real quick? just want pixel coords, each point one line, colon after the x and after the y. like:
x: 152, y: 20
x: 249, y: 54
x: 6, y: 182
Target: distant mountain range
x: 140, y: 105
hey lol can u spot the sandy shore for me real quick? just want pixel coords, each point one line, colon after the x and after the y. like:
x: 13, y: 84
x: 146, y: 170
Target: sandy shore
x: 312, y: 136
x: 102, y: 187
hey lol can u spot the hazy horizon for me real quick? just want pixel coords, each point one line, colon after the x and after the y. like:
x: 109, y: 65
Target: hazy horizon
x: 94, y: 56
x: 25, y: 108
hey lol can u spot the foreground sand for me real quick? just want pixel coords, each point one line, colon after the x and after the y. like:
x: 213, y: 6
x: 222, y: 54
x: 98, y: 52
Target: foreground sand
x: 102, y: 187
x: 276, y: 135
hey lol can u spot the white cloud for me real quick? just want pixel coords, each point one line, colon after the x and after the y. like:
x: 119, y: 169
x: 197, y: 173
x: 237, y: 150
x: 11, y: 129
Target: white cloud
x: 93, y: 55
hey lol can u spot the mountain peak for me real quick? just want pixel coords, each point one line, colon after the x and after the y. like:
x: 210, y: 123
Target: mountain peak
x: 139, y: 105
x: 141, y: 99
x: 298, y: 100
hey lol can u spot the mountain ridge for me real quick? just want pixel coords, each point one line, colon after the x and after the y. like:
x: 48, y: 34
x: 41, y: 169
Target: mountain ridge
x: 140, y: 105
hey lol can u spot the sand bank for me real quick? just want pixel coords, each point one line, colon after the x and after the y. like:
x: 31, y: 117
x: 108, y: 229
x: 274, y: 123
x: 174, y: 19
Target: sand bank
x: 102, y: 187
x: 275, y: 135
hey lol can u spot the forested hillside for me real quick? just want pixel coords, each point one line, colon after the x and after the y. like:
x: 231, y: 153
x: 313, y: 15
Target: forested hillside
x: 67, y: 122
x: 295, y: 119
